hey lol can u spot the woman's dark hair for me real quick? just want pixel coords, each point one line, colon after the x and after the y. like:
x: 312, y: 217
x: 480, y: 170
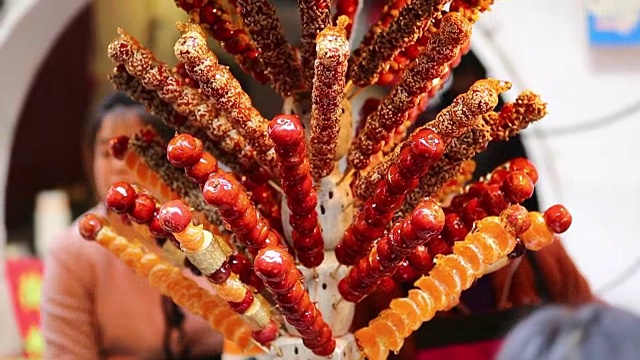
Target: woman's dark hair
x: 111, y: 102
x: 590, y: 332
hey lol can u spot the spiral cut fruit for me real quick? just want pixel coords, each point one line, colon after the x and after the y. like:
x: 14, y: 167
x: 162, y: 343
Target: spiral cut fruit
x: 288, y: 136
x: 278, y: 271
x: 170, y: 281
x: 209, y: 254
x: 492, y: 239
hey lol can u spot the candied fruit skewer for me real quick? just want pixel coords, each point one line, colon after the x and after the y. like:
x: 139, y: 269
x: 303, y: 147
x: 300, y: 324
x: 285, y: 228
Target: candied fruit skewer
x: 492, y: 239
x: 217, y: 82
x: 402, y: 31
x: 394, y: 109
x: 187, y: 101
x: 326, y: 97
x: 144, y: 175
x: 348, y: 8
x: 287, y: 134
x: 457, y: 183
x: 170, y: 281
x: 544, y: 227
x: 218, y: 23
x: 185, y: 151
x: 459, y: 150
x: 229, y: 147
x: 527, y: 109
x: 471, y: 9
x: 422, y: 150
x: 450, y: 123
x: 225, y: 193
x: 148, y: 146
x: 315, y: 16
x: 277, y: 56
x: 389, y: 252
x: 277, y: 268
x: 516, y: 116
x: 209, y: 254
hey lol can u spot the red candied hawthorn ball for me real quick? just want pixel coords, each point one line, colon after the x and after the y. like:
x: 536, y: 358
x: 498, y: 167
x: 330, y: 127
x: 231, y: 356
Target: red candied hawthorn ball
x: 517, y: 187
x: 558, y: 219
x: 144, y: 209
x: 201, y: 170
x: 184, y: 150
x: 89, y: 226
x: 174, y: 216
x: 120, y: 197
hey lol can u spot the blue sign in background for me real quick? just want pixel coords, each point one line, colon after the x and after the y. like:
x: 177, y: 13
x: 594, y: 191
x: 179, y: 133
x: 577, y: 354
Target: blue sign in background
x: 613, y: 37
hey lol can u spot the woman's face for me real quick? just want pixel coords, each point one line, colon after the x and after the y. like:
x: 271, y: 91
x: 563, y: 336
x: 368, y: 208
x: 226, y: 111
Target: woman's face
x: 106, y: 168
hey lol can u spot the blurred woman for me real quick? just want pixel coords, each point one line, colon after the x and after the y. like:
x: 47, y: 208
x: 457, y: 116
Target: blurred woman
x: 93, y: 305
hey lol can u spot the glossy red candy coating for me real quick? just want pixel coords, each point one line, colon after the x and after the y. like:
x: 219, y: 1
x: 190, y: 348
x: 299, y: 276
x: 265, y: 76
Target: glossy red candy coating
x: 156, y: 228
x: 558, y: 219
x: 174, y: 216
x: 200, y: 171
x: 89, y: 226
x: 266, y: 335
x: 144, y: 209
x: 286, y: 130
x: 120, y: 197
x: 184, y: 150
x: 221, y: 275
x: 525, y: 165
x: 242, y: 306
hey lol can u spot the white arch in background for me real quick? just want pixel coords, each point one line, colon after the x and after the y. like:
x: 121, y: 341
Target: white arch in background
x: 28, y: 30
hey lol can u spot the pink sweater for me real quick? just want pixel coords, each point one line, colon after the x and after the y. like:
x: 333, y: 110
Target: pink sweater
x: 95, y: 307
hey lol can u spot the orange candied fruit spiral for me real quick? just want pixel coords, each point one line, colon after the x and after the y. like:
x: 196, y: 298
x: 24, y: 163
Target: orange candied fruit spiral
x: 169, y: 280
x: 492, y: 239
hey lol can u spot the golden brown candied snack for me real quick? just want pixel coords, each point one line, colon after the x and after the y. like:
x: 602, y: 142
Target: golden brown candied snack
x: 280, y: 63
x: 327, y: 96
x: 315, y: 16
x: 393, y: 111
x: 403, y: 31
x: 217, y: 82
